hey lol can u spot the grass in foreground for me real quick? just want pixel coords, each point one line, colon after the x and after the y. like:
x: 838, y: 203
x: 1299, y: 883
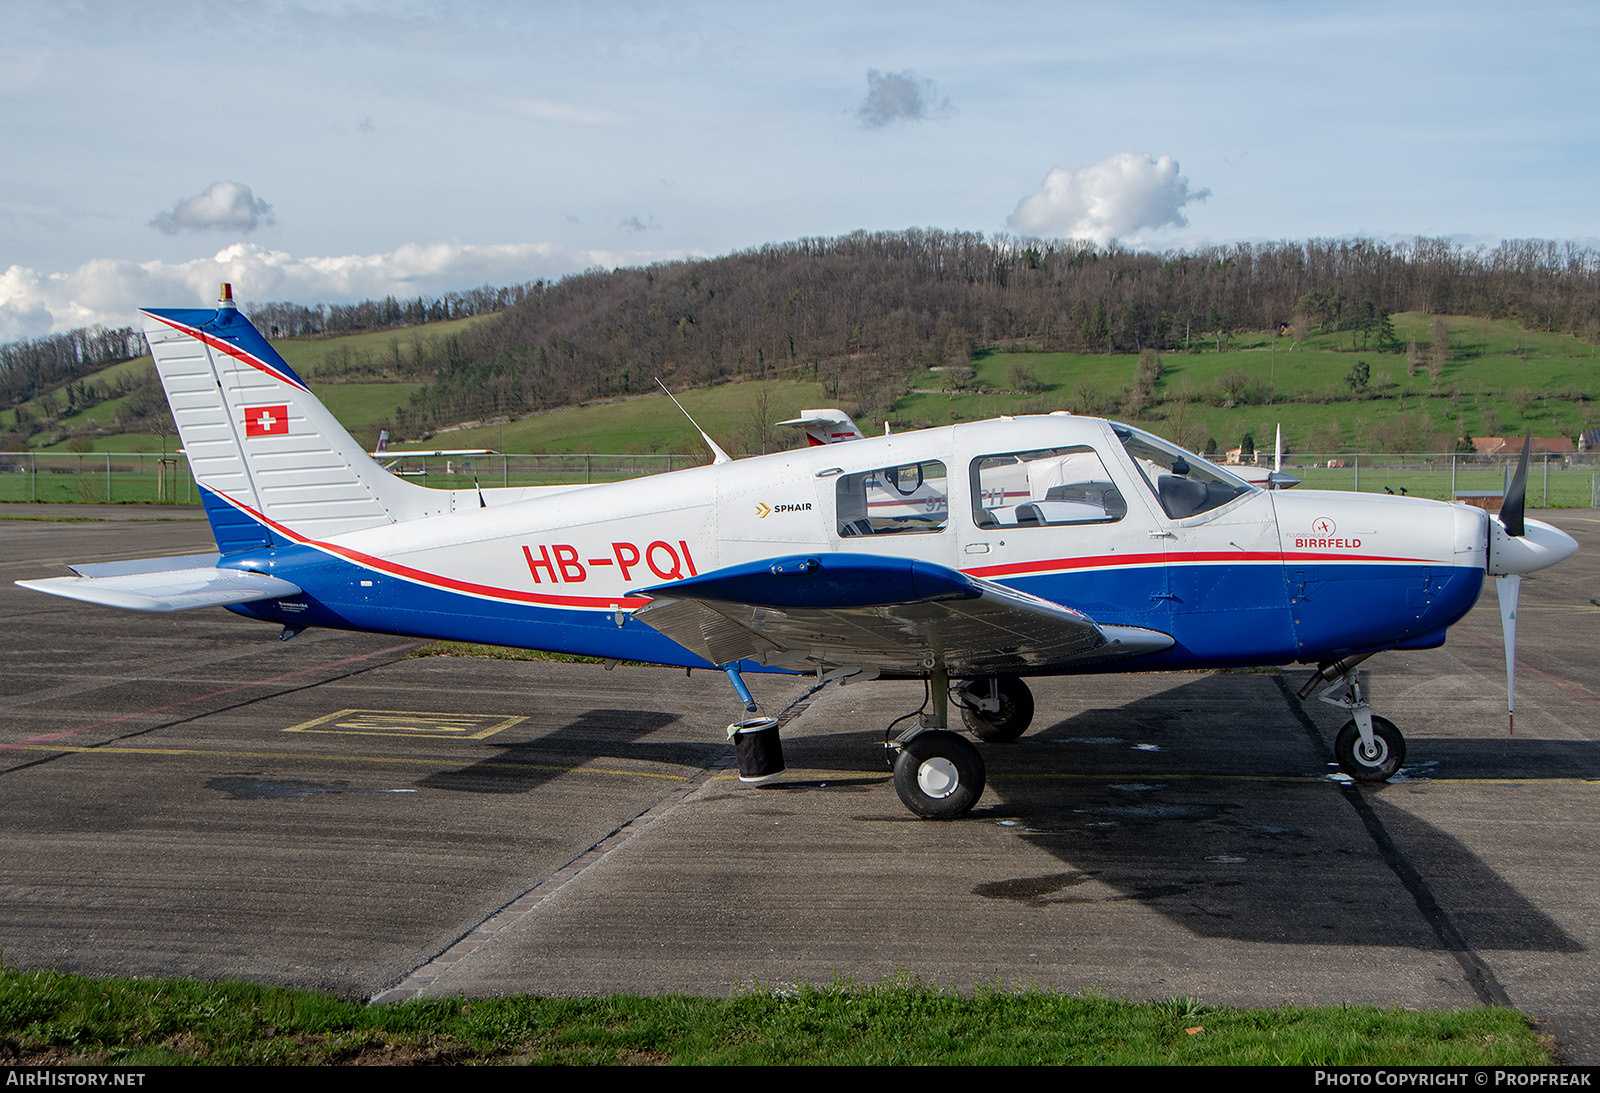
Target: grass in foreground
x: 47, y: 1017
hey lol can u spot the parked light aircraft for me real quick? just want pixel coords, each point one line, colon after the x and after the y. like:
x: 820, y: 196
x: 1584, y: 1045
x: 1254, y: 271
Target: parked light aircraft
x: 1059, y: 544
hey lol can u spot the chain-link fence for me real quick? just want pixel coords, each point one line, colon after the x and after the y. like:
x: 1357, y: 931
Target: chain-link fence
x: 1554, y: 481
x: 112, y: 478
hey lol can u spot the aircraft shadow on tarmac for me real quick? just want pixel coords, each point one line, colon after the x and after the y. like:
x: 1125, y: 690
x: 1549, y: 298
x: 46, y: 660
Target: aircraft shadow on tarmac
x: 1233, y: 828
x: 594, y: 735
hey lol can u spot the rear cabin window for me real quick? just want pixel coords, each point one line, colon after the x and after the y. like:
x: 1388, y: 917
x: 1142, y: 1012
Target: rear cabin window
x: 1048, y: 487
x: 909, y: 499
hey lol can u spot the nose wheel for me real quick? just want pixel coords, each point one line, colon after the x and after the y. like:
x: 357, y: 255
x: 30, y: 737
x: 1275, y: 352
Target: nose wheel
x: 1375, y: 762
x: 1368, y: 748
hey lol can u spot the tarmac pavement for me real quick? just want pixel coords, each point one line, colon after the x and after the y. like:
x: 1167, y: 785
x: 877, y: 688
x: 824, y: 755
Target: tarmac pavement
x: 187, y: 795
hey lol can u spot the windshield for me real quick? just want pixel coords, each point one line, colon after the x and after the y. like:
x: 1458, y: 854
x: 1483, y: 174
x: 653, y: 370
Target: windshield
x: 1185, y: 484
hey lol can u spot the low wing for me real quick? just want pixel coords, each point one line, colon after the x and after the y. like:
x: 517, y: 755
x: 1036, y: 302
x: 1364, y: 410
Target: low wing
x: 164, y: 584
x: 890, y: 616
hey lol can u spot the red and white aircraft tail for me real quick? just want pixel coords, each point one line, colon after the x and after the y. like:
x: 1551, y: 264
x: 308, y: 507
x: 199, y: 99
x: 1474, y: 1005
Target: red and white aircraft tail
x: 825, y: 426
x: 261, y: 447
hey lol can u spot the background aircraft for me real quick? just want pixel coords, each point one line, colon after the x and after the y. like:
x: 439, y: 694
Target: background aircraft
x: 969, y: 556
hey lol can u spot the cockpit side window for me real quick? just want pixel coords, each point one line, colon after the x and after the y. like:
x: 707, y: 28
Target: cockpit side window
x: 1184, y: 484
x: 1047, y: 487
x: 912, y: 498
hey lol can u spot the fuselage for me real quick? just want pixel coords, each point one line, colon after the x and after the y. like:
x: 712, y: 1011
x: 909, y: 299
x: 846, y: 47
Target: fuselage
x: 1089, y: 515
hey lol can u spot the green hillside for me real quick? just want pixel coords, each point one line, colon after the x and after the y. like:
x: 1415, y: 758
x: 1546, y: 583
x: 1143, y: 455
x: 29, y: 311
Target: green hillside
x: 1499, y: 379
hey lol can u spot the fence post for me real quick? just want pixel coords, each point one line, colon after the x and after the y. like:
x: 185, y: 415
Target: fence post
x: 33, y: 477
x: 1546, y: 479
x: 108, y: 478
x: 1358, y: 472
x: 1452, y: 476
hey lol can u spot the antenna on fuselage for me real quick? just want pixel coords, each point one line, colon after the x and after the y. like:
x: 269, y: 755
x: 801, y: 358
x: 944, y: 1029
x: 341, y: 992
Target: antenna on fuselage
x: 717, y: 454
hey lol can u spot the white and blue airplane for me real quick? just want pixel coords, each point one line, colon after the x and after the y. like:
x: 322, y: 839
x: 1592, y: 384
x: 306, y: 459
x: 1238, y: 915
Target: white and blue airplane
x: 1059, y: 544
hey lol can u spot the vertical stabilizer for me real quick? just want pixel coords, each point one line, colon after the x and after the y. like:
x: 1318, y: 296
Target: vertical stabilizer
x: 829, y: 426
x: 259, y: 443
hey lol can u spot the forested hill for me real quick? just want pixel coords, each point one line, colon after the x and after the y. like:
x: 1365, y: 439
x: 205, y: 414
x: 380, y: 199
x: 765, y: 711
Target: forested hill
x: 862, y: 310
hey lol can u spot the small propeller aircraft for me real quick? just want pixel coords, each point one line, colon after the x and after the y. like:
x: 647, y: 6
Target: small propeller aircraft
x: 970, y: 557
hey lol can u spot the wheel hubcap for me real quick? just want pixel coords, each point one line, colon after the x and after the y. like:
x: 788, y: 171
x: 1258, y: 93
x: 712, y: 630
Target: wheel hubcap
x: 1373, y: 756
x: 938, y: 778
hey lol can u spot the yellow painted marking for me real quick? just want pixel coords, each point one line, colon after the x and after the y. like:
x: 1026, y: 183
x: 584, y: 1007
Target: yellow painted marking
x: 409, y: 723
x: 319, y: 757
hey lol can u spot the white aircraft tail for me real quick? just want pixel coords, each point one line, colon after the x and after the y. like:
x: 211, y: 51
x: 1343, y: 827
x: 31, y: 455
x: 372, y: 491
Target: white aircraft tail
x: 826, y: 426
x: 268, y: 456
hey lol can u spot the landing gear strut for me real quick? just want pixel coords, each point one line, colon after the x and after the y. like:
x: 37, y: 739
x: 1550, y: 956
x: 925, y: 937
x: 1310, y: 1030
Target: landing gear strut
x: 1368, y: 748
x: 937, y: 773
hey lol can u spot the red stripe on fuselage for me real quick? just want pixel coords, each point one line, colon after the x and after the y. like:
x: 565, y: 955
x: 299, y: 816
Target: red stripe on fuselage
x: 437, y: 580
x: 1198, y: 557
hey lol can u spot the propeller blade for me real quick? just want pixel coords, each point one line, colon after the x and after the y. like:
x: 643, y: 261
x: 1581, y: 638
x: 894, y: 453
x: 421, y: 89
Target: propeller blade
x: 1507, y: 588
x: 1511, y: 509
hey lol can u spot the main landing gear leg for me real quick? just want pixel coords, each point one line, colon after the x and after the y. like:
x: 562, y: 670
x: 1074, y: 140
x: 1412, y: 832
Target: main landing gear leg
x: 1368, y: 748
x: 937, y: 773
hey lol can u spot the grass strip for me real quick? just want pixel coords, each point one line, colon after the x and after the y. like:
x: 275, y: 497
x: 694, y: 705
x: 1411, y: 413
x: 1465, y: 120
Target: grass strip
x: 54, y: 1018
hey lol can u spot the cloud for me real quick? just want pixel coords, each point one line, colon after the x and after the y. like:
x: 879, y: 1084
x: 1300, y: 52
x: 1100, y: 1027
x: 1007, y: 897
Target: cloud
x: 900, y: 96
x: 109, y: 292
x: 1117, y: 198
x: 224, y: 206
x: 635, y: 225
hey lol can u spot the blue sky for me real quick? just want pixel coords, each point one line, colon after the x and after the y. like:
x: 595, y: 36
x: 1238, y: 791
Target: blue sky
x: 333, y: 151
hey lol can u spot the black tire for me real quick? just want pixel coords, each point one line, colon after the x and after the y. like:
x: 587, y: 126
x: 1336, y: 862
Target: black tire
x: 1008, y: 722
x: 939, y: 775
x: 1389, y: 751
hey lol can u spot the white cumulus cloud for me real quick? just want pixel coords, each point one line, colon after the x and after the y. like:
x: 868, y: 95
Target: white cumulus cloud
x: 222, y: 206
x: 1118, y: 198
x: 109, y: 292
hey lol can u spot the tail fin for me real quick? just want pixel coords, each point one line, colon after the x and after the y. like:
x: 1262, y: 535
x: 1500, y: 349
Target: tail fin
x: 263, y: 450
x: 825, y: 426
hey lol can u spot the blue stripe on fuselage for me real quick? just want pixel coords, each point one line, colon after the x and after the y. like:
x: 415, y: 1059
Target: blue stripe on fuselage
x: 1219, y: 614
x: 1245, y: 615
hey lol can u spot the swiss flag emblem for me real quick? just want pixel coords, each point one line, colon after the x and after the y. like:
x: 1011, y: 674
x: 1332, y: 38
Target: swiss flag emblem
x: 266, y: 421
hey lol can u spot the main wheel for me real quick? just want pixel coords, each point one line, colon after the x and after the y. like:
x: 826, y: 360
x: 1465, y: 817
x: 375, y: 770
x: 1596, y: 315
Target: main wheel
x: 939, y: 775
x: 1010, y: 721
x: 1381, y: 762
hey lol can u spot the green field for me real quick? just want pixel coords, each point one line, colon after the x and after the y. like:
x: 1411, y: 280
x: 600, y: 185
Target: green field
x: 1499, y: 375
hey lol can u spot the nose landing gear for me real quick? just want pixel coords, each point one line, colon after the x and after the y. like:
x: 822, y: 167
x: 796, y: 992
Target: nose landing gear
x: 1368, y: 748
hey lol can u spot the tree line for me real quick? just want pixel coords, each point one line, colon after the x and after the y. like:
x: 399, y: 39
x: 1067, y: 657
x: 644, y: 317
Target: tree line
x: 862, y: 311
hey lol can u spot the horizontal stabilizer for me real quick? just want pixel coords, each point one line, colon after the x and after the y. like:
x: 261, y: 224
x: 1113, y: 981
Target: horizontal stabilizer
x: 164, y: 584
x: 896, y: 616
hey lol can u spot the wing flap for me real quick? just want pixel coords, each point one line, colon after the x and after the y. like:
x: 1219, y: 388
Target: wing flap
x: 896, y: 616
x: 164, y: 584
